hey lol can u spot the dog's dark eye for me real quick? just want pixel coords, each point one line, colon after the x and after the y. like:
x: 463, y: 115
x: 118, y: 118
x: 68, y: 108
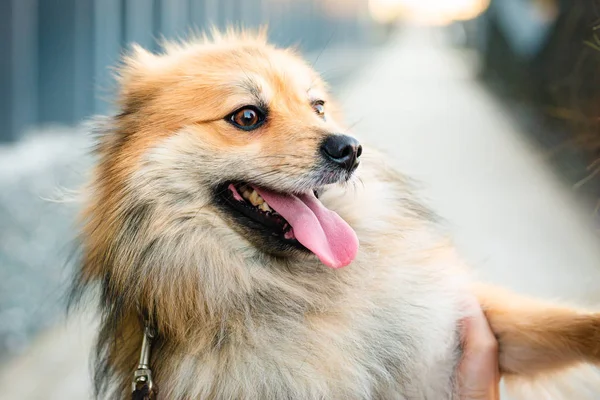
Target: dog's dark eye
x: 247, y: 118
x: 319, y: 107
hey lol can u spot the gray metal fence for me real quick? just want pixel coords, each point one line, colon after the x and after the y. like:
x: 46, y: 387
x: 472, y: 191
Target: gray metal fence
x: 55, y: 54
x: 54, y: 68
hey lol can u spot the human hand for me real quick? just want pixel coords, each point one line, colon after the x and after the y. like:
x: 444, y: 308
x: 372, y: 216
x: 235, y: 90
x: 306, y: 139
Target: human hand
x: 478, y: 372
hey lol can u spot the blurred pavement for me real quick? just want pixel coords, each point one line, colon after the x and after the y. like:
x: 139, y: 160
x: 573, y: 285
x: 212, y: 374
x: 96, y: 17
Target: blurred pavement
x: 513, y: 219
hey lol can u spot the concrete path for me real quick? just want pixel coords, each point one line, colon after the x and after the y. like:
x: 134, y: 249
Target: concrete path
x: 512, y: 218
x: 56, y: 367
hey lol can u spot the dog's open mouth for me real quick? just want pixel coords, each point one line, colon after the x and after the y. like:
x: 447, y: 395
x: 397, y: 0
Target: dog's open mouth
x: 299, y: 220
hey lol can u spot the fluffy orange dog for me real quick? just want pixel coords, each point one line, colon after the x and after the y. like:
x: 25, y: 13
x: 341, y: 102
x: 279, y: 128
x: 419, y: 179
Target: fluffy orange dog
x: 229, y: 211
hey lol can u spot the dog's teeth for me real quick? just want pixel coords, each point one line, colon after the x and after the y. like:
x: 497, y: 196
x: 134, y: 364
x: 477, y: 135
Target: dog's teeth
x: 252, y: 197
x: 255, y: 199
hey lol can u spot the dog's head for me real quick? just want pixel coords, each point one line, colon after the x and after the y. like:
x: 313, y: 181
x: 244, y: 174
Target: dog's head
x: 232, y: 135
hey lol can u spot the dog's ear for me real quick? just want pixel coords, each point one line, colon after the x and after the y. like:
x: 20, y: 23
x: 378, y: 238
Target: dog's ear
x: 137, y: 76
x: 536, y: 337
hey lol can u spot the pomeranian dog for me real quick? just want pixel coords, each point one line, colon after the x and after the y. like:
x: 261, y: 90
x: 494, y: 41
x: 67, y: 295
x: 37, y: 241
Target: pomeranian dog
x: 272, y: 254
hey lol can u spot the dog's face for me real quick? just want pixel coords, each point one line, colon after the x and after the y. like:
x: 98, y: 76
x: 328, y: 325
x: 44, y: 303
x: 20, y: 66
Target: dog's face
x: 242, y: 131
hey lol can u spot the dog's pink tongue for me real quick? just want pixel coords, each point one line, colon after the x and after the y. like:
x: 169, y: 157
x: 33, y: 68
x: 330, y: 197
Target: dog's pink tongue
x: 319, y: 229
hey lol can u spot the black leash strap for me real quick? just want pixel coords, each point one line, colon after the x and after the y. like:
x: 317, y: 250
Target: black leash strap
x: 142, y: 386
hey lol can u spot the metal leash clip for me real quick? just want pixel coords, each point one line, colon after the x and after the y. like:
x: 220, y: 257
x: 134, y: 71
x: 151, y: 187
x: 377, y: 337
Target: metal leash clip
x: 143, y: 375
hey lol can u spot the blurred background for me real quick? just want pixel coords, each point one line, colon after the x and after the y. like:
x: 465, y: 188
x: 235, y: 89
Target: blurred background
x: 493, y: 105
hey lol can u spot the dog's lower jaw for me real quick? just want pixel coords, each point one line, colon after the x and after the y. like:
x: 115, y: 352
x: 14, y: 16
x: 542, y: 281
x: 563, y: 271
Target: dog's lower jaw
x: 377, y: 335
x: 349, y: 350
x: 234, y: 323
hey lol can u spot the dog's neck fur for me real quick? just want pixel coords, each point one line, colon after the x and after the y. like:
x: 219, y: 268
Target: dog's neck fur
x: 226, y: 312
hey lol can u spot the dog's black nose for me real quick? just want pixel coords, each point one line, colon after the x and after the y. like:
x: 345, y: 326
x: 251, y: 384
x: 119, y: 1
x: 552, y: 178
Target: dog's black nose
x: 342, y: 150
